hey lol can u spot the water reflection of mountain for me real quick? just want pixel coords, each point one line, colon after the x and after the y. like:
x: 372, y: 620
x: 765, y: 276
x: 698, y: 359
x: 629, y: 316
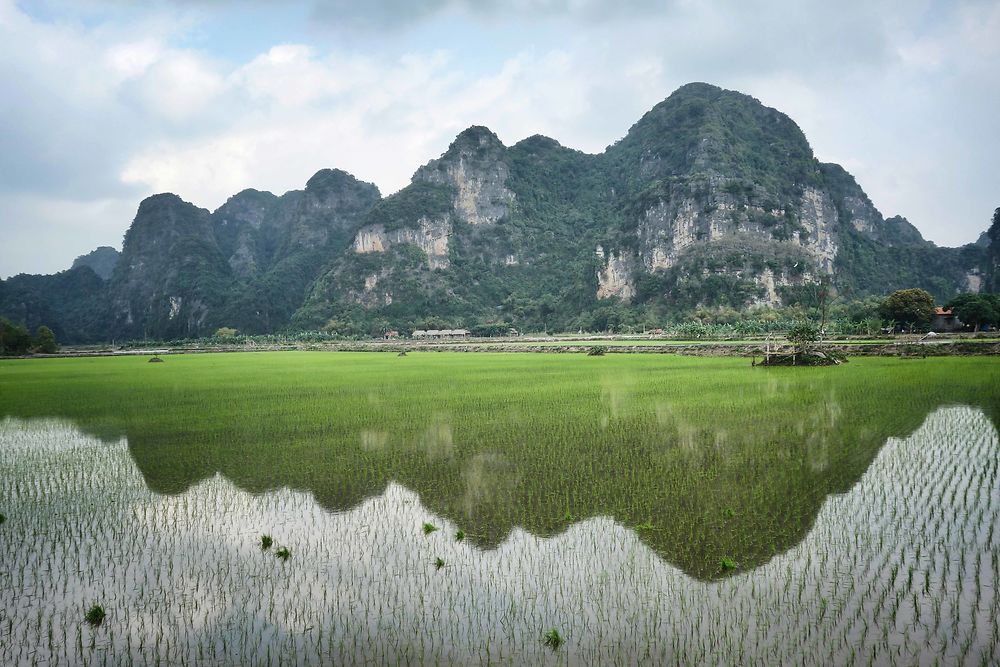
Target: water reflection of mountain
x: 899, y: 569
x: 719, y: 464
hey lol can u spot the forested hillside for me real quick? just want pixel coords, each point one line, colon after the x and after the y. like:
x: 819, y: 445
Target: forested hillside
x: 711, y: 200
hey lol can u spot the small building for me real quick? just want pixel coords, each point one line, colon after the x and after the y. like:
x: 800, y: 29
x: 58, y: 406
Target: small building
x: 389, y: 335
x: 441, y: 333
x: 945, y: 321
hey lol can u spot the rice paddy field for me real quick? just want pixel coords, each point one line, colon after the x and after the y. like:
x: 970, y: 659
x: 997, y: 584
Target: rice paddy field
x: 448, y: 508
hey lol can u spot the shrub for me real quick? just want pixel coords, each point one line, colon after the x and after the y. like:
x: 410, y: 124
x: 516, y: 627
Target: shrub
x: 95, y: 615
x: 553, y: 639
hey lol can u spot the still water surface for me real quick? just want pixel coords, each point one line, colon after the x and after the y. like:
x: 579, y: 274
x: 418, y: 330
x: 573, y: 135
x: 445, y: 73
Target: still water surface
x: 900, y: 568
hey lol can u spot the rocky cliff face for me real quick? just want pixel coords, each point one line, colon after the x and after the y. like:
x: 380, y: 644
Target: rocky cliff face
x: 472, y: 174
x: 430, y: 236
x: 615, y: 277
x: 723, y: 198
x: 280, y: 244
x: 475, y: 169
x: 242, y: 234
x: 185, y: 271
x: 257, y: 230
x: 992, y: 249
x: 711, y: 199
x: 171, y: 273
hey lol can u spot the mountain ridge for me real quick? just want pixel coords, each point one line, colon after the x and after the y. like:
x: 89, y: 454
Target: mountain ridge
x: 711, y: 199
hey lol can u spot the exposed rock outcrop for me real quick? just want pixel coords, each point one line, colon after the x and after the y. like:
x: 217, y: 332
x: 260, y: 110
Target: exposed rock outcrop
x: 614, y: 279
x: 710, y: 200
x: 170, y: 263
x: 475, y: 167
x: 430, y: 235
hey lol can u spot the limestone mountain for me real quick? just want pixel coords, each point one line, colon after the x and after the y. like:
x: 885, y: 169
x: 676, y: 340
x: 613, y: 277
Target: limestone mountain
x: 483, y: 230
x: 711, y: 199
x: 992, y: 245
x: 276, y: 246
x: 171, y: 277
x: 185, y: 271
x: 102, y: 260
x: 73, y: 303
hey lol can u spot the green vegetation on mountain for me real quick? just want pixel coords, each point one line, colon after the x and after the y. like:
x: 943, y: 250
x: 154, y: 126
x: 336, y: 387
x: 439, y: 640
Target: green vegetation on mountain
x: 866, y: 266
x: 702, y: 130
x: 993, y: 253
x: 711, y: 201
x: 278, y: 245
x: 71, y: 303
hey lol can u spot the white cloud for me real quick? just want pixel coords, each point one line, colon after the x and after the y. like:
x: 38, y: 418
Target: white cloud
x: 904, y: 98
x: 43, y: 234
x: 131, y: 59
x: 178, y: 86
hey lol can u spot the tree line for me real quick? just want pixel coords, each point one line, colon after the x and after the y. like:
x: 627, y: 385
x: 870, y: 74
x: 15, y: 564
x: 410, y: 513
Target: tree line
x: 915, y: 308
x: 16, y: 340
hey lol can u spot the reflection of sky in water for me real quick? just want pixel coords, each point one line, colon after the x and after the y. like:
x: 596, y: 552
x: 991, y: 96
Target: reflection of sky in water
x: 903, y: 567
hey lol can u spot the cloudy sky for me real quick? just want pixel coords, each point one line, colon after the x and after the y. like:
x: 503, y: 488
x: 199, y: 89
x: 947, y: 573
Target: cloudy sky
x: 103, y: 102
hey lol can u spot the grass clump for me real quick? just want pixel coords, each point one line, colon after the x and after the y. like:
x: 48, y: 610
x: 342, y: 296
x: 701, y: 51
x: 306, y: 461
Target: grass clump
x: 597, y: 351
x: 265, y: 542
x: 283, y: 553
x: 95, y: 615
x: 438, y: 563
x: 553, y: 639
x: 2, y: 518
x: 726, y: 564
x: 459, y: 535
x: 429, y: 528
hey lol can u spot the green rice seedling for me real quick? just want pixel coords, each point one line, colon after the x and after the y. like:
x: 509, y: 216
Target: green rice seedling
x: 729, y: 512
x: 553, y: 639
x: 283, y: 553
x: 2, y: 518
x: 726, y: 564
x: 429, y: 528
x: 265, y: 542
x: 95, y: 615
x: 652, y: 436
x: 459, y: 535
x: 438, y: 563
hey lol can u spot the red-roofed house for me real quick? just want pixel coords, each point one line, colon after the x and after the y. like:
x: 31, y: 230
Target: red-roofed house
x: 945, y: 321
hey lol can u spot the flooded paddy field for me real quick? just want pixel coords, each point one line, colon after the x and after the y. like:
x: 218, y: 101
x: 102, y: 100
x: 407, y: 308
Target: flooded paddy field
x: 457, y: 509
